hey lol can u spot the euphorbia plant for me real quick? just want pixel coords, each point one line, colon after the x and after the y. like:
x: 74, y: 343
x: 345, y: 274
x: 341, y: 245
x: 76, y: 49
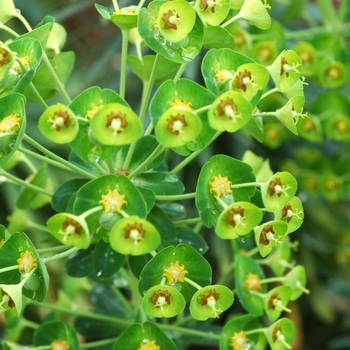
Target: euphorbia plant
x: 115, y: 214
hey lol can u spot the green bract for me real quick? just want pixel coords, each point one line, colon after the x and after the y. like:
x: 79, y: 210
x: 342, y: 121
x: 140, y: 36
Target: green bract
x: 212, y: 11
x: 175, y: 20
x: 134, y: 236
x: 69, y: 230
x: 163, y: 301
x: 278, y: 190
x: 210, y: 302
x: 254, y: 11
x: 276, y: 301
x: 7, y: 10
x: 238, y: 220
x: 59, y: 124
x: 12, y: 125
x: 115, y: 124
x: 268, y: 235
x: 176, y: 127
x: 230, y: 112
x: 296, y: 280
x: 280, y: 335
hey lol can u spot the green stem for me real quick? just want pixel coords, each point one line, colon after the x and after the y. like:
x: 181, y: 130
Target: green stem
x: 61, y: 255
x: 257, y: 330
x: 51, y: 249
x: 176, y: 197
x: 124, y: 55
x: 9, y: 30
x: 265, y: 114
x: 247, y: 184
x: 24, y: 21
x: 189, y: 331
x: 187, y: 221
x: 231, y: 20
x: 271, y: 91
x: 272, y: 279
x: 223, y: 204
x: 26, y: 184
x: 38, y: 96
x: 180, y: 71
x: 90, y: 211
x: 327, y: 11
x: 192, y: 283
x: 158, y: 151
x: 227, y: 273
x: 202, y: 109
x: 9, y: 268
x: 58, y: 82
x: 39, y: 227
x: 193, y: 155
x: 97, y: 343
x: 115, y: 5
x: 52, y: 155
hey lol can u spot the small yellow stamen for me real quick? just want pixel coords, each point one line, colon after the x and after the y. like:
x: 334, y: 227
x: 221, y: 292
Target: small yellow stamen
x: 113, y: 201
x: 59, y: 345
x: 222, y: 75
x: 9, y: 124
x: 181, y: 104
x: 26, y: 261
x: 252, y: 282
x: 149, y: 345
x: 239, y: 341
x: 91, y: 112
x: 220, y: 185
x: 175, y: 273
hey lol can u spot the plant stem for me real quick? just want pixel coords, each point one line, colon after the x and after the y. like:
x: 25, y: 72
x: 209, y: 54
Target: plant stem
x: 180, y: 72
x: 231, y: 20
x: 193, y: 155
x: 124, y: 55
x: 269, y: 93
x: 176, y: 197
x: 272, y: 279
x: 9, y: 268
x: 187, y: 221
x: 24, y: 21
x: 52, y: 155
x: 38, y: 96
x: 189, y: 331
x: 265, y: 114
x: 247, y: 184
x: 51, y: 249
x: 60, y: 255
x: 9, y: 30
x: 90, y: 211
x: 26, y: 184
x: 192, y: 283
x: 58, y: 82
x: 115, y: 5
x: 97, y: 343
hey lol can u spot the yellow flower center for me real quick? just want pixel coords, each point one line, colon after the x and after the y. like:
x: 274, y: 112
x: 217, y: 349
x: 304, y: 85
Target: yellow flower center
x: 11, y: 123
x: 113, y: 201
x: 149, y: 345
x: 175, y: 273
x: 220, y: 185
x: 124, y: 12
x: 239, y: 340
x: 91, y: 112
x: 252, y: 282
x: 59, y: 345
x: 26, y: 262
x: 181, y: 104
x: 222, y: 75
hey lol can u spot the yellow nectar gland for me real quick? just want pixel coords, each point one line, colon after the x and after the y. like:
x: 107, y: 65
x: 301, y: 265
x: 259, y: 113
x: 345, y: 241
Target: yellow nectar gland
x: 160, y: 298
x: 27, y: 262
x: 149, y: 345
x: 181, y: 104
x: 135, y: 232
x: 175, y: 273
x: 124, y: 12
x: 222, y: 75
x: 91, y: 112
x: 9, y: 124
x: 4, y: 56
x: 252, y: 282
x: 239, y: 341
x: 70, y: 227
x: 59, y: 345
x: 220, y: 185
x: 113, y: 201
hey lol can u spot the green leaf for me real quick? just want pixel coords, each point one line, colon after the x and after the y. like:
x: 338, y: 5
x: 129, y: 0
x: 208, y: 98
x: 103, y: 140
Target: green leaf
x: 147, y: 335
x: 62, y: 63
x: 196, y: 241
x: 245, y: 266
x: 7, y: 10
x: 280, y: 335
x: 182, y: 259
x: 81, y: 263
x: 216, y: 37
x: 12, y: 124
x: 41, y: 32
x: 235, y: 172
x: 106, y: 261
x: 210, y: 302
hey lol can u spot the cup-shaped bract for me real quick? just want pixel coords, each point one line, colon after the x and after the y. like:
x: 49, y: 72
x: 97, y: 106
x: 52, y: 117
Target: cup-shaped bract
x: 278, y: 190
x: 238, y: 220
x: 134, y: 236
x: 229, y: 112
x: 286, y: 70
x: 69, y: 230
x: 255, y: 12
x: 11, y: 298
x: 12, y: 125
x: 59, y: 124
x: 236, y: 4
x: 173, y: 265
x: 268, y: 235
x: 210, y: 302
x: 56, y: 39
x: 212, y: 11
x: 333, y: 74
x: 176, y: 127
x: 296, y: 280
x: 280, y: 335
x: 308, y: 55
x: 292, y: 213
x: 7, y: 10
x: 116, y: 124
x: 175, y: 20
x: 143, y: 337
x: 163, y: 301
x: 247, y: 277
x: 276, y: 301
x: 289, y: 114
x: 265, y: 52
x: 249, y: 78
